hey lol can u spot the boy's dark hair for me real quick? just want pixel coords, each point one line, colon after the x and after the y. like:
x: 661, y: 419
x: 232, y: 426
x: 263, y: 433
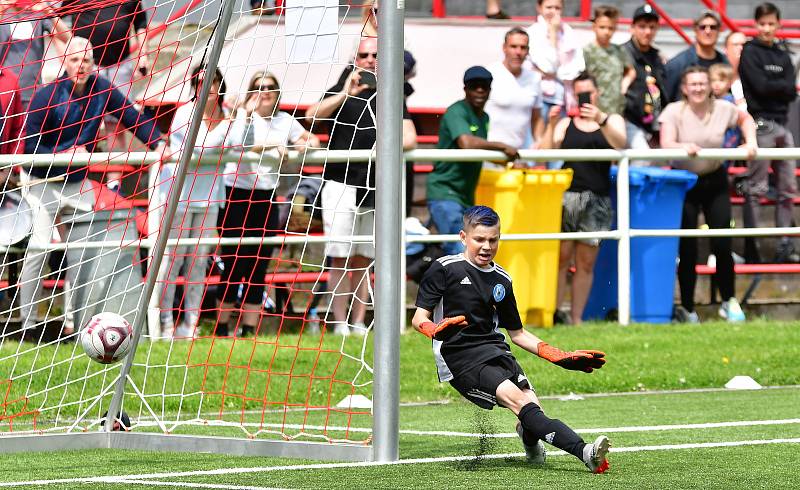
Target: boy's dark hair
x: 480, y: 215
x: 606, y: 11
x: 539, y: 2
x: 585, y: 75
x: 514, y: 31
x: 767, y: 8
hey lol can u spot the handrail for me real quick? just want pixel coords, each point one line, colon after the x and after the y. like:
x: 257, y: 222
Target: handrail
x: 623, y: 234
x: 321, y: 156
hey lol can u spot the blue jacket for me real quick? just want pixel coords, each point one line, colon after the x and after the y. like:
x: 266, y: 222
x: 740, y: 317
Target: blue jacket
x: 59, y: 120
x: 683, y: 60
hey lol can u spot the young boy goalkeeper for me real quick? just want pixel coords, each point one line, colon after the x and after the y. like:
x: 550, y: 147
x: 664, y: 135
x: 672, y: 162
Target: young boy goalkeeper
x: 463, y: 301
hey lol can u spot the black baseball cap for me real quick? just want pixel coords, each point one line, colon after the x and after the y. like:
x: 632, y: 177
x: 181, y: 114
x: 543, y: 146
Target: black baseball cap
x: 646, y: 11
x: 477, y: 73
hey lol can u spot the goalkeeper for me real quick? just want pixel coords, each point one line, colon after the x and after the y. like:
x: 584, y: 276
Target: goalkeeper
x: 462, y: 301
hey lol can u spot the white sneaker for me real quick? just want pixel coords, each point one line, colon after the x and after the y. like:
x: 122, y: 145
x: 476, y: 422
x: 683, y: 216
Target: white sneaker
x: 312, y: 323
x: 594, y: 455
x: 731, y: 311
x: 167, y: 329
x: 682, y: 315
x: 359, y: 329
x: 184, y: 332
x: 536, y: 454
x: 341, y: 329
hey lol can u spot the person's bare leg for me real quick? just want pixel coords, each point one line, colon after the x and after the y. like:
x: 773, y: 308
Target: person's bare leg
x: 585, y: 256
x: 339, y: 287
x: 224, y: 315
x: 492, y: 7
x: 251, y: 314
x: 564, y: 261
x: 360, y: 280
x: 535, y: 424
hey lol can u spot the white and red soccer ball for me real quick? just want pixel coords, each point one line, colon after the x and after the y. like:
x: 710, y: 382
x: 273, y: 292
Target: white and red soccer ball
x: 107, y: 338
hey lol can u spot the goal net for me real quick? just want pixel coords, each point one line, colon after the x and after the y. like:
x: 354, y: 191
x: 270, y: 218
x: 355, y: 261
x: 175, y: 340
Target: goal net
x: 258, y: 327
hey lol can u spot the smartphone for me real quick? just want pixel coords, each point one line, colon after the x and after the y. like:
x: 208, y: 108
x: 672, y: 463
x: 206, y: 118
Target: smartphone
x: 368, y: 79
x: 584, y: 98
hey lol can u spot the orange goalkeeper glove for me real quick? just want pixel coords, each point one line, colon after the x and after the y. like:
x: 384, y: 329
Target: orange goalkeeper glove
x: 580, y: 360
x: 434, y: 330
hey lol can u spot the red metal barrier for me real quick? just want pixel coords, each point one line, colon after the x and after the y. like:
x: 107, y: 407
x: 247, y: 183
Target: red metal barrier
x: 669, y: 21
x: 439, y: 9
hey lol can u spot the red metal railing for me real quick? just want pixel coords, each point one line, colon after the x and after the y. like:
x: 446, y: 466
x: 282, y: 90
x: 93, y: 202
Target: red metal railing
x: 666, y: 18
x: 439, y: 10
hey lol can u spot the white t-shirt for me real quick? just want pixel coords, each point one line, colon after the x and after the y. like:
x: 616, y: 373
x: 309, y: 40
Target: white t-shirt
x: 511, y: 103
x: 738, y: 94
x: 280, y: 130
x: 202, y: 187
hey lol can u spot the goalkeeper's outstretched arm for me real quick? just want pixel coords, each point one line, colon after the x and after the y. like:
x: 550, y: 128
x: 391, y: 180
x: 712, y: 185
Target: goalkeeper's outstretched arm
x: 423, y: 324
x: 579, y: 360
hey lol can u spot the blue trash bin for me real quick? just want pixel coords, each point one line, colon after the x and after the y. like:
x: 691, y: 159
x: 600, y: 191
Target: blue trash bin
x: 656, y: 202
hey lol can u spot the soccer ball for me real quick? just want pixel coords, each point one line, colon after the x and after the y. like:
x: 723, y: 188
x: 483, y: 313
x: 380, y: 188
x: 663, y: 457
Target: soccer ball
x: 107, y: 338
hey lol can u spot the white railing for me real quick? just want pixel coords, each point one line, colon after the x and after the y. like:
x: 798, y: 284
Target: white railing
x: 623, y: 233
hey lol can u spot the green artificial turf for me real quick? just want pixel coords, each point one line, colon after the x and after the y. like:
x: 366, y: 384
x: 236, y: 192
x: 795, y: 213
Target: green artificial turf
x: 641, y: 358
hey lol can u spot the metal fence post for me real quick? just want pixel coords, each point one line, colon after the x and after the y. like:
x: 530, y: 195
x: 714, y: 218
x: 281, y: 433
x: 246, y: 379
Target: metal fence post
x: 624, y: 246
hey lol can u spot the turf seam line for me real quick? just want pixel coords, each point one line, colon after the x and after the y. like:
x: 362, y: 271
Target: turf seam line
x: 219, y: 486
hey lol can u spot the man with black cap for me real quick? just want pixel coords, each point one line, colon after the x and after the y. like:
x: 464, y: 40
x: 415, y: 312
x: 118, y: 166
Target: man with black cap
x: 348, y: 193
x: 703, y: 52
x: 644, y: 99
x: 451, y: 185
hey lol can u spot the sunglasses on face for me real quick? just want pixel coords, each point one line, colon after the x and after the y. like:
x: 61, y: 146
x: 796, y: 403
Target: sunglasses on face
x: 707, y: 27
x: 265, y: 88
x: 363, y: 56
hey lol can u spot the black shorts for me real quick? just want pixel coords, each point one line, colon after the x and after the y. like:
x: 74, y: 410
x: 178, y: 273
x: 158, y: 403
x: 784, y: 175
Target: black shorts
x: 479, y: 385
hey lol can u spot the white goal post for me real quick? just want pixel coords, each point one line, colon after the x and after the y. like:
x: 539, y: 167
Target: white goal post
x: 288, y: 393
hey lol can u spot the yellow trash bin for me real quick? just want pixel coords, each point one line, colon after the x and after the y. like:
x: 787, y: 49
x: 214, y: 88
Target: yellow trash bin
x: 528, y: 201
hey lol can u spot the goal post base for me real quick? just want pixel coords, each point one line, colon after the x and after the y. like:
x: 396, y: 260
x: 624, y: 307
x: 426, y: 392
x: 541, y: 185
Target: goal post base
x: 186, y: 443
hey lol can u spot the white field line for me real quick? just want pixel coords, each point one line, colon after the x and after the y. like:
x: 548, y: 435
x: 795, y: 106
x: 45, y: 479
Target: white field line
x: 644, y: 428
x: 510, y: 435
x: 324, y: 466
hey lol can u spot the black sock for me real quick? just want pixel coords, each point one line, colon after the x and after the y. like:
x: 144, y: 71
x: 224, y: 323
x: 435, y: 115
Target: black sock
x: 552, y: 431
x: 221, y: 329
x: 528, y: 438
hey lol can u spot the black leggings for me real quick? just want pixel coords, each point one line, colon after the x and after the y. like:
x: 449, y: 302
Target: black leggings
x: 247, y: 213
x: 711, y: 195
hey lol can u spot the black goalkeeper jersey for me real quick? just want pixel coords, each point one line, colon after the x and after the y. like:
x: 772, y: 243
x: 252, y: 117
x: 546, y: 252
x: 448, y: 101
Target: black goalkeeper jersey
x: 454, y: 286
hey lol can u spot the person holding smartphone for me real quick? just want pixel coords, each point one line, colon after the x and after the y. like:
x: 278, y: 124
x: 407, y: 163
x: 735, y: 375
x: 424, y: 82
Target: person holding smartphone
x: 348, y: 200
x: 587, y: 202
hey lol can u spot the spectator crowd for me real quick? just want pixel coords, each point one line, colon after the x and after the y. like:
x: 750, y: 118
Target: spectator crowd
x: 547, y: 92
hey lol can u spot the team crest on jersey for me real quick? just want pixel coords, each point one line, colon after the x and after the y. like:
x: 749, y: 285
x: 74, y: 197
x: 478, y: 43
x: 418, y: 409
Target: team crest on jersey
x: 498, y: 292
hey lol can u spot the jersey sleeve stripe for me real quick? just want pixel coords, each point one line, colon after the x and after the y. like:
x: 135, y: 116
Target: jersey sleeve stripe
x: 450, y: 259
x: 502, y: 272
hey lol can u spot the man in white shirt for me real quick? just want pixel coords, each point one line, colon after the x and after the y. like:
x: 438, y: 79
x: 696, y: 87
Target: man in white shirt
x: 514, y: 106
